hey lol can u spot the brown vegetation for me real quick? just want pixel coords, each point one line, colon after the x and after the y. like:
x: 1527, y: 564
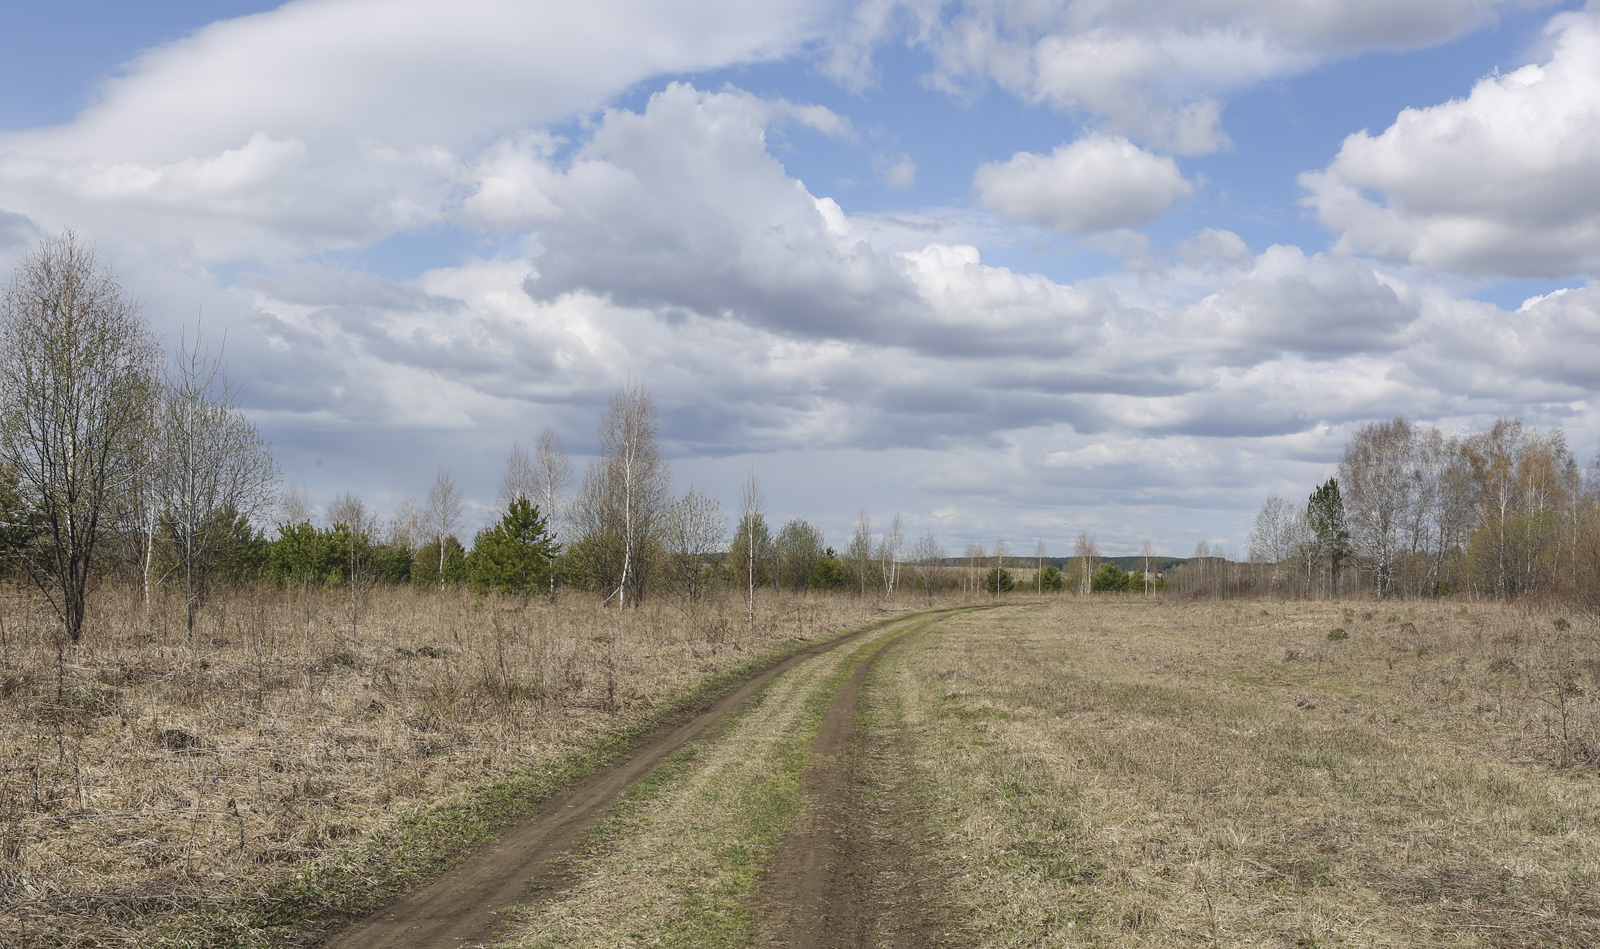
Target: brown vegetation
x: 158, y: 786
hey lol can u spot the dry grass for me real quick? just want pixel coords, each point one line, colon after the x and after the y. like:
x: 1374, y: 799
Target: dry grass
x: 158, y: 787
x: 1130, y: 772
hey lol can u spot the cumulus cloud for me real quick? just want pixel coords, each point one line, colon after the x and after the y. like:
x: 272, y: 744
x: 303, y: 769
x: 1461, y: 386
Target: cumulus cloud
x: 1505, y: 182
x: 336, y: 123
x: 1155, y: 70
x: 1097, y: 183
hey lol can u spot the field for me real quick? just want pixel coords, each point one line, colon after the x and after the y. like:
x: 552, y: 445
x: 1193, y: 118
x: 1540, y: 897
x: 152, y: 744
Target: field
x: 283, y: 766
x: 1097, y: 771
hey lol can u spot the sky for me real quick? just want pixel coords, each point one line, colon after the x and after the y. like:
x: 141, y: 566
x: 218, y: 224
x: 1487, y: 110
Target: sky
x: 1011, y: 268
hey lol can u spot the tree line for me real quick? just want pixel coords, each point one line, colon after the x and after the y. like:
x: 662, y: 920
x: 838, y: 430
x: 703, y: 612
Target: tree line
x: 1411, y: 511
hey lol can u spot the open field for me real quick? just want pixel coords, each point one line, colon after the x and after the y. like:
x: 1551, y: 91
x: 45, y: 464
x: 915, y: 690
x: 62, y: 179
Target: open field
x: 1097, y: 771
x: 280, y: 767
x: 1154, y: 774
x: 1130, y: 772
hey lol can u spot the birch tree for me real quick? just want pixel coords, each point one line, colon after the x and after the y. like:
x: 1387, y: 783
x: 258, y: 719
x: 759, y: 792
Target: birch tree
x: 552, y: 474
x: 215, y: 469
x: 442, y: 514
x: 78, y: 386
x: 753, y: 533
x: 889, y: 550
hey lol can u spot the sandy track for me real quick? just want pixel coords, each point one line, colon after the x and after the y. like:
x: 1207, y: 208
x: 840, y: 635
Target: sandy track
x: 461, y: 906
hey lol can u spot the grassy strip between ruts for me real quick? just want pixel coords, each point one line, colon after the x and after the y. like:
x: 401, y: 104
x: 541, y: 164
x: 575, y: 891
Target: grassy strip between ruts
x: 1143, y: 775
x: 424, y: 842
x: 676, y: 861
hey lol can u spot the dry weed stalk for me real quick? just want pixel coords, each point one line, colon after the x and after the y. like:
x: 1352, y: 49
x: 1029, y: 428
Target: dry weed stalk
x: 148, y: 776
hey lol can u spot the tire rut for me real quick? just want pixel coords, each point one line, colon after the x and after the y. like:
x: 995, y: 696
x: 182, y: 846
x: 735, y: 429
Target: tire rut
x: 851, y: 873
x: 525, y: 863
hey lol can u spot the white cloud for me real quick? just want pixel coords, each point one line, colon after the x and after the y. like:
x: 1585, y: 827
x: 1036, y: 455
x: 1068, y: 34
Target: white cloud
x: 1154, y: 70
x: 336, y: 123
x: 1097, y: 183
x: 1505, y: 182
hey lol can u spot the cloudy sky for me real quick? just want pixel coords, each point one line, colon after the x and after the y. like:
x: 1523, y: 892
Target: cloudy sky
x: 1011, y: 267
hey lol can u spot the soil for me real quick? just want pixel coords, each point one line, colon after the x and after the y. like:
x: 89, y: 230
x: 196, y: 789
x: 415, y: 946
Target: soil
x: 851, y: 873
x: 461, y: 906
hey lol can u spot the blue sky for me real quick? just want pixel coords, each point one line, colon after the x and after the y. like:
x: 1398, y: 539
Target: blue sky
x: 1011, y: 270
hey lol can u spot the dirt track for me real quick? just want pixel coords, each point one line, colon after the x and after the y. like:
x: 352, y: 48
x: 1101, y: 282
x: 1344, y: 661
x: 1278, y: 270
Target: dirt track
x: 850, y: 874
x: 461, y: 906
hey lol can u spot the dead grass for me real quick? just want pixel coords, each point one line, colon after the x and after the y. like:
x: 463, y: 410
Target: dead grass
x: 1130, y: 772
x: 160, y: 788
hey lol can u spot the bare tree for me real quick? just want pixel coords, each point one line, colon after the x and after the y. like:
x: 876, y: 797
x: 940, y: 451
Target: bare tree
x: 693, y: 531
x: 442, y: 514
x: 78, y: 383
x: 1088, y: 553
x: 521, y: 478
x: 859, y: 553
x: 1147, y: 550
x: 295, y: 506
x: 928, y: 554
x: 1376, y: 481
x: 1002, y: 550
x: 552, y: 476
x: 973, y: 556
x: 1279, y: 533
x: 889, y: 550
x: 753, y: 529
x: 216, y: 475
x: 624, y: 494
x: 1038, y: 565
x: 406, y: 529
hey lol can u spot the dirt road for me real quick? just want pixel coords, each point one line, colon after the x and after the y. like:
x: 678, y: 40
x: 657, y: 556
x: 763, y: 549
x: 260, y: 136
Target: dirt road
x: 461, y: 907
x: 851, y: 873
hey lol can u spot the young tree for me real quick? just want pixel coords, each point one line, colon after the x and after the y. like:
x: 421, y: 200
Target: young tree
x: 78, y: 384
x: 753, y: 536
x: 514, y: 556
x: 1146, y: 550
x: 441, y: 515
x: 624, y: 493
x: 1330, y: 539
x: 215, y: 468
x: 1087, y: 552
x: 973, y: 557
x: 1276, y: 539
x: 889, y: 549
x: 859, y: 553
x: 407, y: 530
x: 927, y: 553
x: 1002, y: 550
x: 1038, y: 565
x: 552, y: 475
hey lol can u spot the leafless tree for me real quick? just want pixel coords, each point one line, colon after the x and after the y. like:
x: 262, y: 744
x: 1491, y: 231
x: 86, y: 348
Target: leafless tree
x: 859, y: 553
x: 624, y: 493
x: 295, y: 506
x: 973, y: 557
x: 442, y: 514
x: 694, y: 530
x: 1147, y: 550
x: 1087, y: 552
x: 889, y: 550
x: 1038, y: 565
x: 521, y: 479
x: 1002, y: 550
x: 928, y: 554
x: 1377, y: 478
x: 752, y: 510
x: 1279, y: 533
x: 215, y: 470
x: 406, y: 529
x: 78, y: 387
x: 552, y: 475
